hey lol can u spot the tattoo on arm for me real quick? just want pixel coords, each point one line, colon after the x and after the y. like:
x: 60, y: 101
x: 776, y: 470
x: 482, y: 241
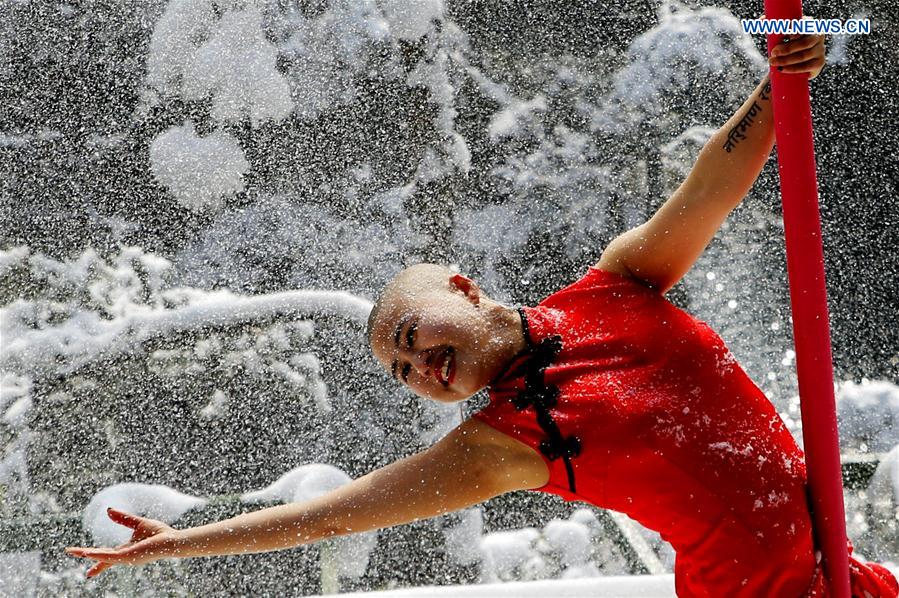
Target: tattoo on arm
x: 738, y: 131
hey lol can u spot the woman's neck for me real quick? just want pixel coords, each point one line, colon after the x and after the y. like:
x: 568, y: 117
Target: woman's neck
x: 508, y: 339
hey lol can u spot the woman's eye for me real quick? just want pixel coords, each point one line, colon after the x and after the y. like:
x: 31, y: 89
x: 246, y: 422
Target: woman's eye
x: 404, y: 373
x: 410, y: 335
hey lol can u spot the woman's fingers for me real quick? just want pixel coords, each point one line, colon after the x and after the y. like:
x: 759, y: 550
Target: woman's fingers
x: 105, y: 558
x: 139, y: 550
x: 97, y: 569
x: 80, y: 550
x: 124, y: 518
x: 797, y: 48
x: 97, y: 554
x: 804, y: 54
x: 119, y: 517
x: 809, y: 66
x: 796, y: 44
x: 796, y: 56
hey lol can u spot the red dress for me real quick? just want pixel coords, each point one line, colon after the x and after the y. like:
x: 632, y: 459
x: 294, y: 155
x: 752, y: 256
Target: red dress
x: 639, y: 407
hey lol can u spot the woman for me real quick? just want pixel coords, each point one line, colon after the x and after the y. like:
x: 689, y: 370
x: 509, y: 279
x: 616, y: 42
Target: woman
x: 605, y: 392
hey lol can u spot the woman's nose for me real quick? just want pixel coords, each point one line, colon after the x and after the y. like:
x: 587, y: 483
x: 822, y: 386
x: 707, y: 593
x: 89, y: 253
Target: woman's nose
x: 419, y: 361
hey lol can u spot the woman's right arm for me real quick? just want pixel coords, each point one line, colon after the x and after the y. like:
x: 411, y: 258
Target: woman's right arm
x: 663, y: 249
x: 471, y: 464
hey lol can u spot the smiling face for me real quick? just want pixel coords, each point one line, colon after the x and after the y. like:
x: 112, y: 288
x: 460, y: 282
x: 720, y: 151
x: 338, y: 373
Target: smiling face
x: 436, y: 333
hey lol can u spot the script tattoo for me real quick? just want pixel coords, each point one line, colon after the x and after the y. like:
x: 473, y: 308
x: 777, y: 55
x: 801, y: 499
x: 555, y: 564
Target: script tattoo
x: 738, y: 132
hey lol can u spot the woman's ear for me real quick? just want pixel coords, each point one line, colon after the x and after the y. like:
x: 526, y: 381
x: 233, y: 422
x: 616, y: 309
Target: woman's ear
x: 467, y: 286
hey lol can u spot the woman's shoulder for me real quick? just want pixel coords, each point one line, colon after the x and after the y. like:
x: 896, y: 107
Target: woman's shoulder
x: 596, y: 279
x: 512, y: 458
x: 620, y: 273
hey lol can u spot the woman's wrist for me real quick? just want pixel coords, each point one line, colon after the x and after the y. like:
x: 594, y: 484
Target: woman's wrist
x: 173, y: 544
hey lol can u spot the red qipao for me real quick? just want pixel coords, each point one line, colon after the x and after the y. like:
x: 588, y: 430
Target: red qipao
x: 639, y: 407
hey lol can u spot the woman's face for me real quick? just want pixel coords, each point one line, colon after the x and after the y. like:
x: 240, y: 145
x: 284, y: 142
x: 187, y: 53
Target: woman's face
x: 436, y: 342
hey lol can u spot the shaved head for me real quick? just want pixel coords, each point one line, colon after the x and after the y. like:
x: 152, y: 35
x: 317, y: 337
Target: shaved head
x: 434, y: 331
x: 413, y: 281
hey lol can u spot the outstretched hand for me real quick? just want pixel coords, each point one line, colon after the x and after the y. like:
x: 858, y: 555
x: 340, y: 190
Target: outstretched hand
x: 151, y: 541
x: 801, y: 54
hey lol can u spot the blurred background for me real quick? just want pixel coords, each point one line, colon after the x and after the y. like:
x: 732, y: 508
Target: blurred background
x: 199, y: 200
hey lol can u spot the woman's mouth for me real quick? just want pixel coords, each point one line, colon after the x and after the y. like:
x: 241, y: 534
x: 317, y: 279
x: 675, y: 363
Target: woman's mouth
x: 445, y: 366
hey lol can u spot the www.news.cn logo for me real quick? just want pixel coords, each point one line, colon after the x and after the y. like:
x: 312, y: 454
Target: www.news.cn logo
x: 806, y: 26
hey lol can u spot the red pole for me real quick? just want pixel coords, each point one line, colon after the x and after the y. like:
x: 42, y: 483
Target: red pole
x: 808, y: 296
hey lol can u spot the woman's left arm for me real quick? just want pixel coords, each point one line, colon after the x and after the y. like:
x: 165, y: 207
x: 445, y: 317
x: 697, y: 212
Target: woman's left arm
x: 471, y: 464
x: 663, y: 249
